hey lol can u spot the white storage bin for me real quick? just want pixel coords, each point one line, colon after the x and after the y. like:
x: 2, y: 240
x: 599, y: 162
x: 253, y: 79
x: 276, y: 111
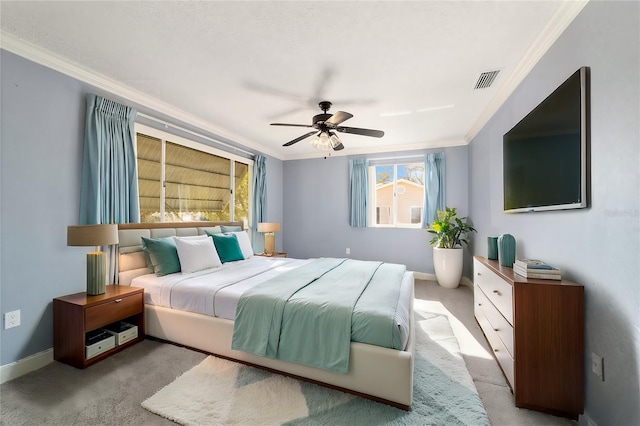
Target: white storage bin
x: 100, y: 347
x: 123, y: 332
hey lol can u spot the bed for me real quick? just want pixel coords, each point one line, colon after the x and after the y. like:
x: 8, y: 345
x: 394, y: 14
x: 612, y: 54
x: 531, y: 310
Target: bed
x: 380, y: 373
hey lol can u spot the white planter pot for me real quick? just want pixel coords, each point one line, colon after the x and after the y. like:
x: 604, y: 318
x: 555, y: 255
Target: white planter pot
x: 448, y: 266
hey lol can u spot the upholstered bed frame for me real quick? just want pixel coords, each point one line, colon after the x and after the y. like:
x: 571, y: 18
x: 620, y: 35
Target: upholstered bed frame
x: 378, y: 373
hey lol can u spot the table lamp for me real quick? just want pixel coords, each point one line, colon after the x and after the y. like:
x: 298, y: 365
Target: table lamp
x: 268, y: 228
x: 94, y: 235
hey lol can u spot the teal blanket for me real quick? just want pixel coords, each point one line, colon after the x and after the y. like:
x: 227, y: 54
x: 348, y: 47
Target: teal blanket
x: 305, y: 315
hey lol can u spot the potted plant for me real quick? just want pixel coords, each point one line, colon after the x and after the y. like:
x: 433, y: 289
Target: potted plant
x: 450, y: 232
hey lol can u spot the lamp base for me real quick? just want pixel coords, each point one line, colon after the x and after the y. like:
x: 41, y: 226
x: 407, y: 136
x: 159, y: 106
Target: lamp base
x: 96, y: 273
x: 269, y: 243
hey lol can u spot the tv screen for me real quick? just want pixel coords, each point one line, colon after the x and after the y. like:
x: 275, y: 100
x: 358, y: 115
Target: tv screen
x: 545, y: 155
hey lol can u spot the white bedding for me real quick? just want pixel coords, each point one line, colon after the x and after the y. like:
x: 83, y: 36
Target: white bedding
x: 216, y: 291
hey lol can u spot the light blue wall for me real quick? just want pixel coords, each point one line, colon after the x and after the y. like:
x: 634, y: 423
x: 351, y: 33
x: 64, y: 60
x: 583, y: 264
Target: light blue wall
x: 41, y: 162
x: 598, y: 247
x: 275, y: 171
x: 42, y: 122
x: 316, y: 213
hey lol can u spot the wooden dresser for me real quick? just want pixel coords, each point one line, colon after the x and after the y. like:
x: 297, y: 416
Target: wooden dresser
x: 536, y: 331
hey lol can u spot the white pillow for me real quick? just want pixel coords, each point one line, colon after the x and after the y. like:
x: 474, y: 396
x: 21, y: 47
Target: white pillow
x: 196, y: 254
x: 245, y: 243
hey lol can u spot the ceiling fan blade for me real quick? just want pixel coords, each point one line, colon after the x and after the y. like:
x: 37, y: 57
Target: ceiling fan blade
x: 338, y: 147
x: 291, y: 125
x: 363, y: 132
x: 299, y: 138
x: 338, y: 118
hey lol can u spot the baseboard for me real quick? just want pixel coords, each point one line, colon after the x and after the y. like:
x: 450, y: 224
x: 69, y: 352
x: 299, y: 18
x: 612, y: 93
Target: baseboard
x: 432, y: 277
x: 424, y: 276
x: 585, y: 420
x: 467, y: 282
x: 26, y: 365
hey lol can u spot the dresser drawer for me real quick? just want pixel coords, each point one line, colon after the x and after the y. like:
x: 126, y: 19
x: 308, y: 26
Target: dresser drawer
x: 495, y: 288
x: 497, y: 322
x: 503, y: 357
x: 112, y: 311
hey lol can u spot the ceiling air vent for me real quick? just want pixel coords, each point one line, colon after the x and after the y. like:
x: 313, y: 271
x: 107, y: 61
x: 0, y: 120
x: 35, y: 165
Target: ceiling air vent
x: 486, y: 79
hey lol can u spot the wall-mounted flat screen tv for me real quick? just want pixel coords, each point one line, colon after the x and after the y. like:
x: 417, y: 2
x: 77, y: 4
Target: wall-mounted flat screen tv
x: 546, y: 155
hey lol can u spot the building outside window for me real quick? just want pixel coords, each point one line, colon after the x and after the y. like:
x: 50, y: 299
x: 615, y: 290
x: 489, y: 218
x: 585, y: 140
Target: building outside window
x: 396, y: 194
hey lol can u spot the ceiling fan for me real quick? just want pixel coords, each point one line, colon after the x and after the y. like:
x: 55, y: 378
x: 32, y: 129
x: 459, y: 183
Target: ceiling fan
x: 325, y: 126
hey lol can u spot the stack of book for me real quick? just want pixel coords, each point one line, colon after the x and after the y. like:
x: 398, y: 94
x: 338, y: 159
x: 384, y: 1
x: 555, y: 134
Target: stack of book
x: 530, y: 268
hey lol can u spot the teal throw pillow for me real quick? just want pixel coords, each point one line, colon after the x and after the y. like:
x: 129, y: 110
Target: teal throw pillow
x: 147, y: 258
x: 227, y: 247
x: 163, y: 255
x: 226, y: 229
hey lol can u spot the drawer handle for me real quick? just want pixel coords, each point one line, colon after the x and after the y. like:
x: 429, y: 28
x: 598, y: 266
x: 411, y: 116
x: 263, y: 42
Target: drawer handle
x: 478, y: 274
x: 118, y: 300
x: 496, y: 292
x: 495, y: 329
x: 495, y: 350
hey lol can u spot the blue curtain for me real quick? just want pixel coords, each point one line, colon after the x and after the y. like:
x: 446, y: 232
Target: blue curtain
x: 434, y: 187
x: 259, y: 200
x: 109, y: 188
x: 109, y: 177
x: 358, y: 192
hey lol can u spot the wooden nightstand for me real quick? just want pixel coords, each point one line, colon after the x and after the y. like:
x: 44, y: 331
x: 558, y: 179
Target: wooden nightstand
x: 77, y: 314
x: 275, y: 254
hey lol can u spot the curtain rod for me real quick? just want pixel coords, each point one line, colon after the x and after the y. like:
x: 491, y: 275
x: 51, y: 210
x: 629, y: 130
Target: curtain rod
x: 396, y: 158
x: 191, y: 132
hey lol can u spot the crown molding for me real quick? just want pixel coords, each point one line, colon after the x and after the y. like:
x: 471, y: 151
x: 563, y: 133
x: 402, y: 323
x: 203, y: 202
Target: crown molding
x: 48, y: 59
x: 566, y: 13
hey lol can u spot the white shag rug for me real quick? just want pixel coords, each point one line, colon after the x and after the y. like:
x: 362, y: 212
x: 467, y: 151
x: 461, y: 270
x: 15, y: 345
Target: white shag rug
x: 222, y: 392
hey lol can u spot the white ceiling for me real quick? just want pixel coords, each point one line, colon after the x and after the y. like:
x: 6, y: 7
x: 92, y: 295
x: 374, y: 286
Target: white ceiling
x: 408, y: 68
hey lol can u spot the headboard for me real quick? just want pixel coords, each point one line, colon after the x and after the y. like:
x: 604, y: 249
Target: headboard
x: 131, y: 261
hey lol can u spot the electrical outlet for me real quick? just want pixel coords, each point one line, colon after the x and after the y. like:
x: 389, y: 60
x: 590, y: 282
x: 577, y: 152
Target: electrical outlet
x: 348, y: 250
x: 597, y: 365
x: 12, y: 319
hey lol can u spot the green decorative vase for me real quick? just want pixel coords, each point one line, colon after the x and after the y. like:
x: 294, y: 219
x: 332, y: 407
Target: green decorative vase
x: 506, y: 250
x: 492, y: 248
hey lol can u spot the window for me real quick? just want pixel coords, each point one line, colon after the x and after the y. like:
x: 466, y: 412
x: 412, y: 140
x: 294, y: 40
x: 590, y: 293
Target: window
x: 416, y: 214
x: 181, y: 180
x: 397, y: 194
x: 383, y: 215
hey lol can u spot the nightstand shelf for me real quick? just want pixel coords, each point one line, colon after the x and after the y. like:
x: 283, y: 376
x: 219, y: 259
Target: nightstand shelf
x: 77, y: 314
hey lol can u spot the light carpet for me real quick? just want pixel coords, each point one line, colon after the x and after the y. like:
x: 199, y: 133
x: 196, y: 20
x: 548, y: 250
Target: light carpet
x: 222, y: 392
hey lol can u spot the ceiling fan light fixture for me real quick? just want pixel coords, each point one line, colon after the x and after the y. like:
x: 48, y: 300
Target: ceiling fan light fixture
x: 321, y: 141
x: 334, y: 140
